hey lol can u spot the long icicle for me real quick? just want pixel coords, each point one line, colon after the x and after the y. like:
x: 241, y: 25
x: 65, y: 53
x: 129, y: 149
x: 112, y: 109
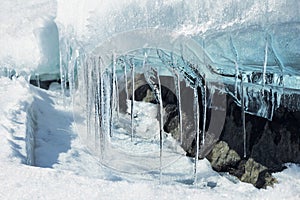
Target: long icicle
x: 113, y: 94
x: 196, y: 120
x: 243, y: 117
x: 98, y: 100
x: 86, y: 78
x: 102, y: 110
x: 203, y: 104
x: 96, y: 103
x: 117, y: 96
x: 178, y: 93
x: 204, y: 110
x: 161, y: 129
x: 88, y: 96
x: 90, y: 99
x: 132, y: 99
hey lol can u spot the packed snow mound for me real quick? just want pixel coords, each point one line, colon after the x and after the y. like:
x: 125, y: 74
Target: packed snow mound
x: 15, y: 102
x: 29, y: 37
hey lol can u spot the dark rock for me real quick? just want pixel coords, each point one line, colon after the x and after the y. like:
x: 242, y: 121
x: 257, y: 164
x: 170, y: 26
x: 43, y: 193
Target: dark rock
x: 43, y: 84
x: 222, y: 158
x: 257, y: 174
x: 171, y: 119
x: 269, y: 144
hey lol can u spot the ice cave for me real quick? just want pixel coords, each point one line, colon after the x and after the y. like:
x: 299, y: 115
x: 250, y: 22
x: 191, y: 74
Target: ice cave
x: 152, y: 82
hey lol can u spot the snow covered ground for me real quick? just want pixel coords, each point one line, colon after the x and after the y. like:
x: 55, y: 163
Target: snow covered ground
x: 64, y: 168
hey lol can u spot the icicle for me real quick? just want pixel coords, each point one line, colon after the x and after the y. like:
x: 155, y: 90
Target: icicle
x: 203, y: 104
x: 113, y: 93
x: 243, y: 117
x: 125, y: 79
x: 132, y: 99
x: 98, y: 108
x: 196, y: 120
x: 236, y: 78
x: 177, y: 91
x: 265, y: 65
x: 235, y: 52
x: 63, y: 59
x: 107, y: 103
x: 117, y: 96
x: 178, y: 94
x: 161, y: 130
x: 86, y: 86
x: 62, y: 78
x: 96, y: 103
x: 102, y: 110
x: 204, y: 109
x: 89, y: 97
x: 273, y: 103
x: 71, y: 76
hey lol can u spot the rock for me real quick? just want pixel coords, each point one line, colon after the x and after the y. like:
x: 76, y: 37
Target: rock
x: 222, y: 158
x: 269, y: 144
x: 171, y: 119
x: 144, y: 93
x: 257, y: 174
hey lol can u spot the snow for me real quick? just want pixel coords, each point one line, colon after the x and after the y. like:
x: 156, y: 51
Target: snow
x: 65, y: 168
x: 27, y: 31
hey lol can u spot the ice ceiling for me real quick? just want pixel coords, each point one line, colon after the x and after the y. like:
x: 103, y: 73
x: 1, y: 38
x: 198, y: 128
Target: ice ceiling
x: 253, y: 43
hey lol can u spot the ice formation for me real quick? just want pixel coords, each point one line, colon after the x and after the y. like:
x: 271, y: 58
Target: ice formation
x: 249, y: 50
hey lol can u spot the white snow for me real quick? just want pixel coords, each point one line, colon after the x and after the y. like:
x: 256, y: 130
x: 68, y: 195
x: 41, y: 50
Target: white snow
x: 65, y: 168
x: 27, y: 30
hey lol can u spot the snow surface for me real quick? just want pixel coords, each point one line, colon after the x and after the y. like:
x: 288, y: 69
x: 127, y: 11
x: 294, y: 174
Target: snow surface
x: 65, y: 169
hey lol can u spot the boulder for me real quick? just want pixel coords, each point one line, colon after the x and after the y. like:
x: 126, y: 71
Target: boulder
x: 257, y: 174
x: 222, y: 158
